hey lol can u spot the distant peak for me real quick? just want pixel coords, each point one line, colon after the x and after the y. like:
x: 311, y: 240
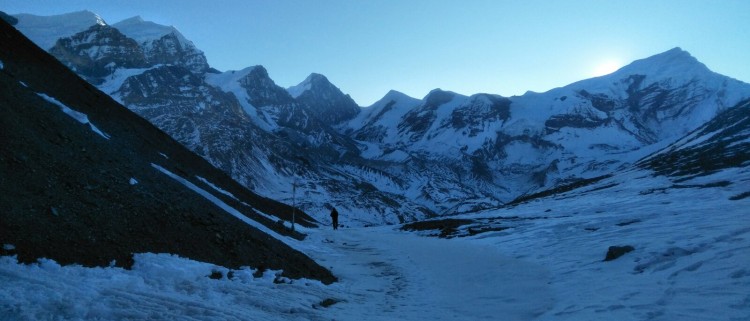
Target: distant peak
x: 46, y: 30
x: 675, y: 57
x: 258, y: 71
x: 143, y: 30
x: 83, y: 16
x: 314, y: 78
x: 136, y: 19
x: 674, y: 53
x: 676, y: 50
x: 313, y: 82
x: 395, y: 93
x: 438, y: 96
x: 672, y: 63
x: 88, y: 15
x: 439, y: 92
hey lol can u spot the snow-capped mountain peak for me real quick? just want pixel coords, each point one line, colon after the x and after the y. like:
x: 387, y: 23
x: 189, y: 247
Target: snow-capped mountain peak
x: 438, y: 97
x: 314, y: 80
x: 163, y: 44
x: 261, y: 89
x: 444, y: 153
x: 397, y: 96
x: 669, y: 63
x: 142, y: 31
x: 663, y: 96
x: 375, y: 122
x: 45, y: 30
x: 675, y: 65
x: 324, y: 99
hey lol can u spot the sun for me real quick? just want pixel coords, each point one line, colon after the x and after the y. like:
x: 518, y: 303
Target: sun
x: 606, y: 67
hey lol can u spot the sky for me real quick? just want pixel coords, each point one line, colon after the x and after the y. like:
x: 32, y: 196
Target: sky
x: 367, y: 48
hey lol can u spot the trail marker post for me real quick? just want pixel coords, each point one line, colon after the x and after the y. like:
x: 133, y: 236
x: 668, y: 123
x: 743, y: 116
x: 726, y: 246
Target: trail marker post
x: 294, y: 201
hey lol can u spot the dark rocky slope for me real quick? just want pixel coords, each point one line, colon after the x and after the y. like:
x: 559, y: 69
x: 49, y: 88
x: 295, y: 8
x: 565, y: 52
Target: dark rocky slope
x: 723, y: 142
x: 66, y: 192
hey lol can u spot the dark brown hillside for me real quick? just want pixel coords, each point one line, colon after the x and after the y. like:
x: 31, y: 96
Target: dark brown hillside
x: 65, y: 191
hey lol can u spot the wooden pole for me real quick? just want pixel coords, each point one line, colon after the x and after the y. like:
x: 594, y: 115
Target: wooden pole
x: 294, y: 201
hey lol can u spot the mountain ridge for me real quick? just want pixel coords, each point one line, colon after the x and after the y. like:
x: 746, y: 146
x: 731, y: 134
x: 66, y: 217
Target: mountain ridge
x: 442, y: 154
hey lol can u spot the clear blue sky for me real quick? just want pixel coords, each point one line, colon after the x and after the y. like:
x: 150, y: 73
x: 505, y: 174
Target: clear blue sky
x: 503, y: 47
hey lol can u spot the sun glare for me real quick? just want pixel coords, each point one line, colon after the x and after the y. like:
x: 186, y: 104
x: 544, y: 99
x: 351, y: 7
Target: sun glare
x: 606, y: 67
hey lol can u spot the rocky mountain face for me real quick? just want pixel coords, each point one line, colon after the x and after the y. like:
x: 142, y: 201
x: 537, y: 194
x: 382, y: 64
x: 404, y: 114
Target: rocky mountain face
x: 102, y: 49
x: 163, y: 45
x: 520, y: 144
x: 401, y: 158
x: 721, y: 143
x: 324, y: 100
x: 96, y: 52
x: 87, y: 181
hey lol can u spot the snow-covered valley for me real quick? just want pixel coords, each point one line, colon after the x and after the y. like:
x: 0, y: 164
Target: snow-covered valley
x: 621, y: 197
x: 690, y: 261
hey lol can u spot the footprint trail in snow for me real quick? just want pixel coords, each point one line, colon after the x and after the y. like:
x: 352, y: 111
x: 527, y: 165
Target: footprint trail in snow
x: 389, y: 274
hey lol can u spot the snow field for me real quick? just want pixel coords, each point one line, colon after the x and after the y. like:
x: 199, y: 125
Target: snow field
x: 691, y: 262
x: 159, y: 287
x: 691, y: 253
x: 384, y: 275
x: 391, y: 275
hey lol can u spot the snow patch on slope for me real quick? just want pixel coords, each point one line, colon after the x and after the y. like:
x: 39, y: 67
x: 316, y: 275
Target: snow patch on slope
x: 226, y: 207
x: 114, y: 81
x: 78, y: 116
x: 299, y: 89
x: 216, y: 188
x: 229, y: 81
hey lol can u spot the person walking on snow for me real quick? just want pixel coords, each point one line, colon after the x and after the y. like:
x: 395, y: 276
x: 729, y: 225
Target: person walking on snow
x: 335, y: 218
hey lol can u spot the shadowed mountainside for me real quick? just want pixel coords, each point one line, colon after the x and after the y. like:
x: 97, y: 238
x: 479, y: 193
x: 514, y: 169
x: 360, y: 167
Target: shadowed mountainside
x: 78, y: 197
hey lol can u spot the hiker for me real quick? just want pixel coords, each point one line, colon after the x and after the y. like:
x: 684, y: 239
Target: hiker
x: 335, y: 218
